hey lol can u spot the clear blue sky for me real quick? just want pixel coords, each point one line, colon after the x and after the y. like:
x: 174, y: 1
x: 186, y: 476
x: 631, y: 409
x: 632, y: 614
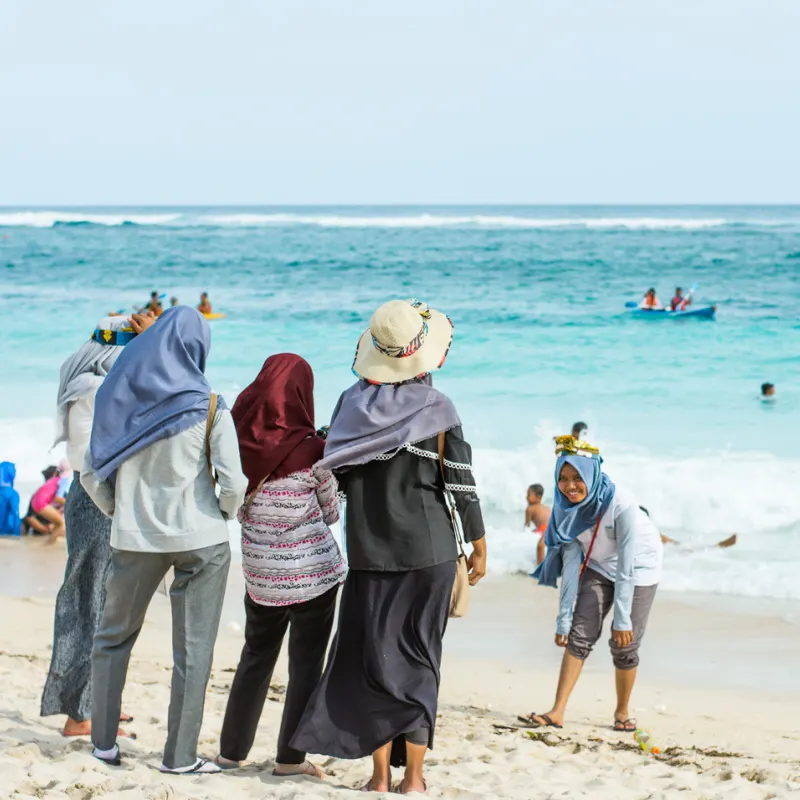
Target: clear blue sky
x: 362, y: 101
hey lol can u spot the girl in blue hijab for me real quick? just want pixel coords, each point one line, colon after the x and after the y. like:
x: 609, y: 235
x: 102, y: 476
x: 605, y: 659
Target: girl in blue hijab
x: 9, y: 501
x: 608, y: 555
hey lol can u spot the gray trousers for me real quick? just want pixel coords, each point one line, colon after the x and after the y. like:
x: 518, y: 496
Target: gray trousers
x: 196, y: 596
x: 595, y: 600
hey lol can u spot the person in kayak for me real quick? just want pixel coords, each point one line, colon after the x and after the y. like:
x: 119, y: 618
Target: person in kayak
x: 650, y: 302
x: 679, y: 302
x: 204, y: 307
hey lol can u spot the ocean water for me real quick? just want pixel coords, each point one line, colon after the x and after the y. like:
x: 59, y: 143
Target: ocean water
x: 542, y: 339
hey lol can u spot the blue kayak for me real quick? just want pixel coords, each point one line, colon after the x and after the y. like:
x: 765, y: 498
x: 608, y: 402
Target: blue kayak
x: 701, y: 312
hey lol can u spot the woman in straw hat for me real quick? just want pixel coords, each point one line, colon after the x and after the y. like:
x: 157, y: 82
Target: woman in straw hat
x: 380, y: 689
x: 608, y: 555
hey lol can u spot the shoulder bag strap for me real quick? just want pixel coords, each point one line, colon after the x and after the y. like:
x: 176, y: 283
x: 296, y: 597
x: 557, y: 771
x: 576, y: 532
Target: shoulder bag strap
x: 447, y: 498
x: 252, y: 495
x: 591, y: 545
x: 212, y: 413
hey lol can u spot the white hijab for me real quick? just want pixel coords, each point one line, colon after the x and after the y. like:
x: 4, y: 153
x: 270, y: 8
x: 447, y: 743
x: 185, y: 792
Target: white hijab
x: 83, y: 372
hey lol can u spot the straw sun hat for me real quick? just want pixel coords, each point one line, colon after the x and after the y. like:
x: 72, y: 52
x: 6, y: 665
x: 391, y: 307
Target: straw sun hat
x: 405, y: 340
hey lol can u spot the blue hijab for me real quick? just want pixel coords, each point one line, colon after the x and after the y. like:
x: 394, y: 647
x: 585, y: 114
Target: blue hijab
x: 9, y: 501
x: 155, y: 389
x: 569, y: 520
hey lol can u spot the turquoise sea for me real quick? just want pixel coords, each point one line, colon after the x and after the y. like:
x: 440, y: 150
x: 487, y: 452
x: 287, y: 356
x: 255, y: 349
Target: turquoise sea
x: 537, y: 297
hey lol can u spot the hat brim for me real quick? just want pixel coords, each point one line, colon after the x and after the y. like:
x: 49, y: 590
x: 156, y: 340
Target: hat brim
x: 376, y: 367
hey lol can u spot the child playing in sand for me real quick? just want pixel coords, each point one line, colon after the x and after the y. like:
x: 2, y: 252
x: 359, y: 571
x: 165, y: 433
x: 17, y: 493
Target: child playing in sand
x: 608, y: 555
x: 537, y: 515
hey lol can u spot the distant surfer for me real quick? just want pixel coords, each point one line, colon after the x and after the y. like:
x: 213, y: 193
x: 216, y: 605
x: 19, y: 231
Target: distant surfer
x: 537, y: 515
x: 679, y: 302
x: 204, y: 307
x: 650, y: 302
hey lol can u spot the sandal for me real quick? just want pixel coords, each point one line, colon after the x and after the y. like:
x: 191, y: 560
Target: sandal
x: 226, y: 763
x: 110, y: 757
x: 624, y: 725
x: 529, y: 721
x: 202, y: 767
x: 308, y: 769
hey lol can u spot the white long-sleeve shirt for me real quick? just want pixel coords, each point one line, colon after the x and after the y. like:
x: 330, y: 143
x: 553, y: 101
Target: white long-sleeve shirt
x: 163, y: 499
x: 628, y: 551
x: 79, y: 428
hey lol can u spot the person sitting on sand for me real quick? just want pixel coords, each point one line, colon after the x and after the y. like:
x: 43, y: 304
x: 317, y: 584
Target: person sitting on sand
x: 9, y: 501
x: 291, y: 562
x: 159, y: 448
x: 650, y: 301
x: 79, y: 604
x: 537, y: 515
x: 608, y: 555
x: 204, y: 306
x: 46, y: 510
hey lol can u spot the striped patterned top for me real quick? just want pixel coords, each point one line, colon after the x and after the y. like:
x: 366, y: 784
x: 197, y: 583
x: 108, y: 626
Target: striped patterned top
x: 289, y: 554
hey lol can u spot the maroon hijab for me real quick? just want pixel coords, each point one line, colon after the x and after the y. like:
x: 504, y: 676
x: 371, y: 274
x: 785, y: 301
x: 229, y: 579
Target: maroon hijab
x: 274, y: 418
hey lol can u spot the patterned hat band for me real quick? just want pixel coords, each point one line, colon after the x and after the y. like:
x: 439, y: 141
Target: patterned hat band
x: 402, y: 351
x: 114, y: 338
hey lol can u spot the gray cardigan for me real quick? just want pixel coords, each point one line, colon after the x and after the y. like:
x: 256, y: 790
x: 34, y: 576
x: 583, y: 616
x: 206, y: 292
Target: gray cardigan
x: 164, y: 501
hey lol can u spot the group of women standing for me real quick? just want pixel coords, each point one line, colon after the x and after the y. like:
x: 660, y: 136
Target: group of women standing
x: 165, y: 465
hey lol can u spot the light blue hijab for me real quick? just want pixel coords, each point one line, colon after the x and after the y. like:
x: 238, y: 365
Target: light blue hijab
x: 156, y: 389
x: 569, y: 520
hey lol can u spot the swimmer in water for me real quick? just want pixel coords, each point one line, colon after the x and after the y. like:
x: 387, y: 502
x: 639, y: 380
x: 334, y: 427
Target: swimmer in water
x: 580, y: 430
x: 537, y: 515
x: 154, y: 305
x: 768, y: 392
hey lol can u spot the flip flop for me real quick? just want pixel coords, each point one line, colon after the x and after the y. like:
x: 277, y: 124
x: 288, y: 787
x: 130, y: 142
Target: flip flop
x: 530, y: 722
x: 308, y: 769
x: 202, y: 767
x: 225, y: 764
x: 624, y: 725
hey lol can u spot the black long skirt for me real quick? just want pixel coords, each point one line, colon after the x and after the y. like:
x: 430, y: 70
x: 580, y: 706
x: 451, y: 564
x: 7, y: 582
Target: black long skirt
x: 382, y: 677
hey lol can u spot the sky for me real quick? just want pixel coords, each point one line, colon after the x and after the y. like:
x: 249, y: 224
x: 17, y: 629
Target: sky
x: 377, y: 101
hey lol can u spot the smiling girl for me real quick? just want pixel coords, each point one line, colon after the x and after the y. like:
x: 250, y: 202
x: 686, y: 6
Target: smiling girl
x: 608, y: 555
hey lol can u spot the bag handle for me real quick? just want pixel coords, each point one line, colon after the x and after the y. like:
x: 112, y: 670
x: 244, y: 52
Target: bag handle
x: 212, y: 413
x: 591, y: 545
x: 448, y: 499
x: 252, y: 495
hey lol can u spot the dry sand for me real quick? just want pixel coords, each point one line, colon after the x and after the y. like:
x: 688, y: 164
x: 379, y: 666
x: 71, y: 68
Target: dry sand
x: 716, y: 689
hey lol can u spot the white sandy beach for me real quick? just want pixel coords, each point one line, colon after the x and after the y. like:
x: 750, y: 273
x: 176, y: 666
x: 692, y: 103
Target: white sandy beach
x: 716, y: 689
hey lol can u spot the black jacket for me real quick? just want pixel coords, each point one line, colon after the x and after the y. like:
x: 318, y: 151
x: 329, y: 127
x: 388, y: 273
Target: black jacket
x: 397, y: 518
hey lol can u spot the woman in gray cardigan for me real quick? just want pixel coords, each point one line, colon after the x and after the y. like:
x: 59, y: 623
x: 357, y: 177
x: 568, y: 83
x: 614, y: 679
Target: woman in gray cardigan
x: 154, y: 445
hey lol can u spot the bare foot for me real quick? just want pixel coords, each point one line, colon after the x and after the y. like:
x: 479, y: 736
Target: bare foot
x: 376, y: 785
x: 306, y: 768
x: 74, y: 728
x: 409, y: 785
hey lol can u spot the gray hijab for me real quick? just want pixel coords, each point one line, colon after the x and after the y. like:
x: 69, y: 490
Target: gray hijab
x: 371, y: 420
x: 83, y: 372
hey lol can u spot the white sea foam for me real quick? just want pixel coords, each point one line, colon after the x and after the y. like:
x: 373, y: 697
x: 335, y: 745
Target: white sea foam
x: 426, y: 220
x: 697, y: 500
x: 47, y: 219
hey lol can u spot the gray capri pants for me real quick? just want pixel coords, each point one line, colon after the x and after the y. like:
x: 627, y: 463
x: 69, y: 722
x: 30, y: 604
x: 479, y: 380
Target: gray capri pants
x: 595, y: 600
